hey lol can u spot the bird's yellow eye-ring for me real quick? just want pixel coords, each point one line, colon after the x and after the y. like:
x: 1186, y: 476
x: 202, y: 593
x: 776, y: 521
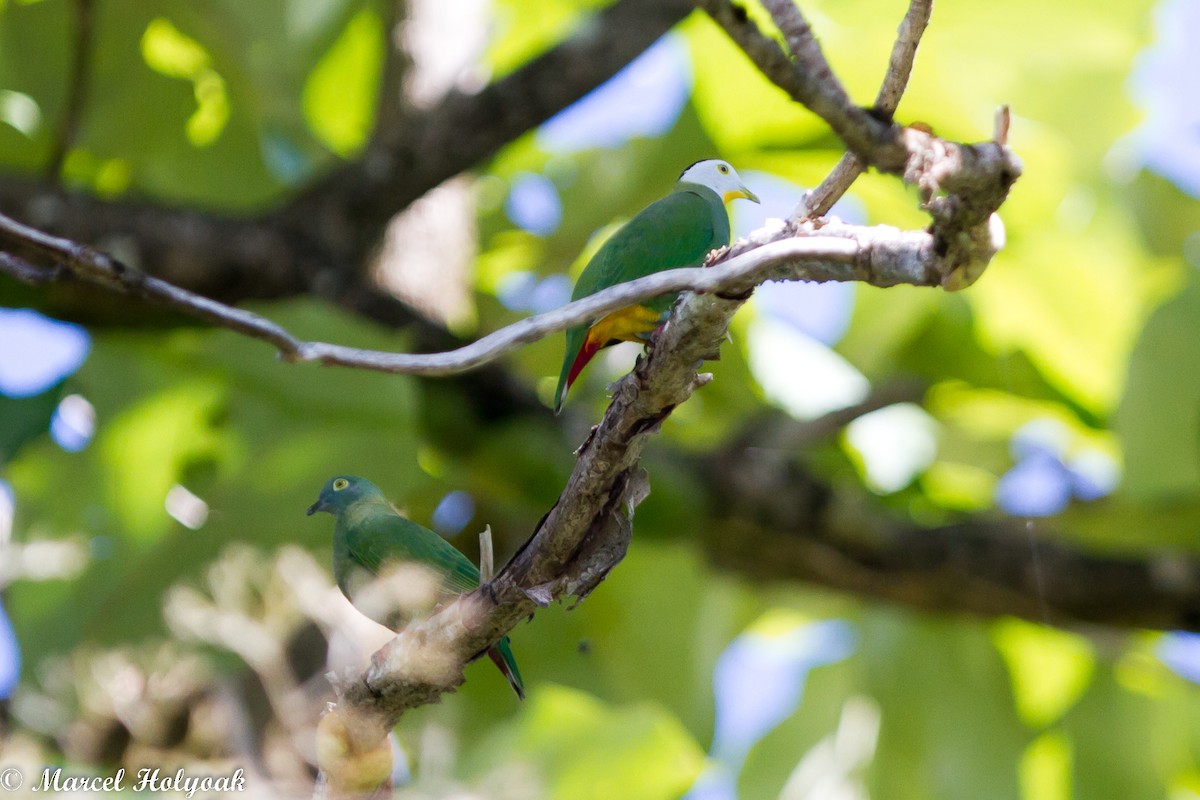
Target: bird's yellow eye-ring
x: 339, y: 484
x: 724, y: 170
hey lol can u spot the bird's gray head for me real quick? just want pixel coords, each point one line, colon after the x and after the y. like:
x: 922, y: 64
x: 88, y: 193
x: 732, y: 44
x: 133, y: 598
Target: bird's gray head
x: 342, y: 490
x: 720, y: 176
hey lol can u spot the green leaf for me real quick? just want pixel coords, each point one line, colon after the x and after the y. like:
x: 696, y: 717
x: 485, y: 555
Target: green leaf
x: 1046, y: 768
x: 1125, y: 744
x: 341, y: 92
x: 24, y: 419
x: 1050, y: 668
x: 148, y: 446
x: 1159, y: 416
x: 935, y: 678
x: 526, y: 28
x: 1072, y: 303
x: 34, y: 58
x: 586, y: 749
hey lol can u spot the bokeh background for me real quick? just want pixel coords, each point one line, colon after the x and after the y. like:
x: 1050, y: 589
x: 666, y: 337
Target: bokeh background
x: 166, y: 601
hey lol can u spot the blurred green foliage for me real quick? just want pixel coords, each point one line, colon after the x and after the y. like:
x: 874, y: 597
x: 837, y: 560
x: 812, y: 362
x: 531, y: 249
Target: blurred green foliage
x: 1088, y: 317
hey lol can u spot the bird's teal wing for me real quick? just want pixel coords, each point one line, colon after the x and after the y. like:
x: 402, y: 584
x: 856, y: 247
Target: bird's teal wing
x: 502, y: 656
x: 382, y: 539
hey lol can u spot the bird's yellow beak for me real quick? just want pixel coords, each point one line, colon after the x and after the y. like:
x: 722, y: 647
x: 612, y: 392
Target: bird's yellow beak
x: 741, y: 193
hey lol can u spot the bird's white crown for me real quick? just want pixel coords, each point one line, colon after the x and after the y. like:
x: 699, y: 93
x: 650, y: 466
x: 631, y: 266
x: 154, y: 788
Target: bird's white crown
x: 720, y: 176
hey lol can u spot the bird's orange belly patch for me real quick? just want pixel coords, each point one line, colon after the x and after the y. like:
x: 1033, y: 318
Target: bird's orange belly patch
x: 626, y: 325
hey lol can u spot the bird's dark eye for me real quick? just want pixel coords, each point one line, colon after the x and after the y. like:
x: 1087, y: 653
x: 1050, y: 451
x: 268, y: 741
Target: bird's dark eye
x: 724, y: 170
x: 339, y: 484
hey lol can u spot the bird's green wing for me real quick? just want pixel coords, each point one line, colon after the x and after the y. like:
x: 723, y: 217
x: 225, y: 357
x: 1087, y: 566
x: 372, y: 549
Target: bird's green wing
x: 381, y: 539
x: 677, y: 231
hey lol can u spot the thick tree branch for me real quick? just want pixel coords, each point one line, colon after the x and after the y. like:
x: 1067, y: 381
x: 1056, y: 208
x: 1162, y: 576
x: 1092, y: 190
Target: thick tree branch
x: 998, y: 567
x: 226, y: 258
x: 464, y: 129
x: 92, y: 266
x: 772, y: 518
x: 393, y: 107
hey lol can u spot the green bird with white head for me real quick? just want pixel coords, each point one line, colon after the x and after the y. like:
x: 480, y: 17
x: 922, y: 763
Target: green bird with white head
x: 393, y: 569
x: 677, y: 231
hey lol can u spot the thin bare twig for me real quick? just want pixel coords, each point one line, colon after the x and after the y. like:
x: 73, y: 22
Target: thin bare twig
x: 823, y: 93
x: 76, y: 91
x: 904, y: 53
x: 101, y: 269
x: 818, y: 202
x: 882, y: 256
x: 25, y: 272
x: 487, y: 564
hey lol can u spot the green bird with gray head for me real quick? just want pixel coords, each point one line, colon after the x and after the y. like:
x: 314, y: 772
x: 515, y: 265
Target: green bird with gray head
x: 393, y: 569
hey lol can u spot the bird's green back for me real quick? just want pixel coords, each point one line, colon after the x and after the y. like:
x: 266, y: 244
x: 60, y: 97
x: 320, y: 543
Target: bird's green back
x: 371, y: 535
x: 677, y: 231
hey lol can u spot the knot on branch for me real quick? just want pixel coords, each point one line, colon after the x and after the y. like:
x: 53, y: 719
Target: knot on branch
x: 968, y: 253
x: 607, y: 540
x: 961, y: 185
